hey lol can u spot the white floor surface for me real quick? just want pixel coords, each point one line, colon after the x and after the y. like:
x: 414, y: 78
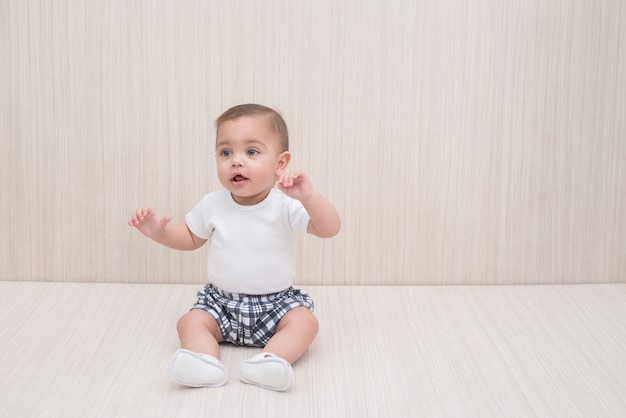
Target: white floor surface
x: 101, y: 350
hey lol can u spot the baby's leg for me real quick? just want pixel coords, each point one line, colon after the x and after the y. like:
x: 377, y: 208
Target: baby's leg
x: 198, y: 331
x: 271, y: 368
x: 294, y: 334
x: 197, y: 363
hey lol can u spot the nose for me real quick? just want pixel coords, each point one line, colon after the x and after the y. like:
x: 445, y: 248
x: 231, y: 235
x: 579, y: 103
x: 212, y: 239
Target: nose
x: 236, y: 160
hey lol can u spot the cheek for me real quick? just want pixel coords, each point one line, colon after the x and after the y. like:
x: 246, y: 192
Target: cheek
x: 222, y: 168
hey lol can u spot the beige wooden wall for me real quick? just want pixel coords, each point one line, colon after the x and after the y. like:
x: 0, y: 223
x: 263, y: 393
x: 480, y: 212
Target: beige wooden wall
x: 462, y: 141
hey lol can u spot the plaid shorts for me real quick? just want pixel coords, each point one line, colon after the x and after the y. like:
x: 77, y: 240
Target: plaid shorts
x: 249, y: 320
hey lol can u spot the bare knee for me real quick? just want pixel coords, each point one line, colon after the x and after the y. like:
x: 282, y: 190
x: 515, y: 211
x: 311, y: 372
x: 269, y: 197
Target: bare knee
x: 311, y: 322
x: 188, y: 320
x: 301, y: 317
x: 294, y: 333
x: 198, y: 320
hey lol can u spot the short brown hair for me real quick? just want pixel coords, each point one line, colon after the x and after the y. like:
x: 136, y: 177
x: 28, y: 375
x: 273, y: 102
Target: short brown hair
x: 258, y: 110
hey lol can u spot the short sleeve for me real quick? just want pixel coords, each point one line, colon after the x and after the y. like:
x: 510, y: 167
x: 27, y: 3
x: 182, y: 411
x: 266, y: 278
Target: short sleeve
x: 298, y: 216
x: 196, y: 219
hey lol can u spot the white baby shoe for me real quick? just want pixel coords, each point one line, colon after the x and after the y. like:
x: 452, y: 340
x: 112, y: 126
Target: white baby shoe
x: 267, y: 371
x: 192, y: 369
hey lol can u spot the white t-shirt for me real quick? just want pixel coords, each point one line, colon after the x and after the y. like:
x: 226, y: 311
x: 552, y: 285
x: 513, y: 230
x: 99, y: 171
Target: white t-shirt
x: 252, y: 249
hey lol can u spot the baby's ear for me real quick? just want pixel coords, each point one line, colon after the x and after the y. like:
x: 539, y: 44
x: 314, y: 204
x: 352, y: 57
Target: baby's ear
x: 283, y: 162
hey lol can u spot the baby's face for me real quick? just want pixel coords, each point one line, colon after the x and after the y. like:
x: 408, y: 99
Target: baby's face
x: 249, y: 158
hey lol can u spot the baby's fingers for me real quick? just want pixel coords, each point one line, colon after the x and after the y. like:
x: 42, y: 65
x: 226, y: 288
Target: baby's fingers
x: 133, y: 219
x: 285, y: 180
x: 138, y: 216
x: 288, y: 179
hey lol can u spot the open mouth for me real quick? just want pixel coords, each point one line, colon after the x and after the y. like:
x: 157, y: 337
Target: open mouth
x: 239, y: 178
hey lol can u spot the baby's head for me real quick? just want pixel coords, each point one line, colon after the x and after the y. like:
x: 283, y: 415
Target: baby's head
x: 277, y: 122
x: 251, y: 149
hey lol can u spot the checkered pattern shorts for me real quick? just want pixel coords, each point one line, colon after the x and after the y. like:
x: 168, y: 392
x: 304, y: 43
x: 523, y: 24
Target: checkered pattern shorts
x: 249, y: 320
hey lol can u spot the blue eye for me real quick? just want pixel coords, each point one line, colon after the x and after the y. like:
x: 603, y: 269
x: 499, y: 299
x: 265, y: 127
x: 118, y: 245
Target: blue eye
x: 252, y: 152
x: 226, y: 153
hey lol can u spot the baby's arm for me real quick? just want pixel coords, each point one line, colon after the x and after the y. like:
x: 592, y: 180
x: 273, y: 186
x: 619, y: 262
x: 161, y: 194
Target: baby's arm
x: 325, y: 222
x: 176, y: 236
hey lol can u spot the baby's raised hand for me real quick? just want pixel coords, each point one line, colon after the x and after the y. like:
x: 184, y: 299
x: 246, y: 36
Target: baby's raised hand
x: 146, y: 221
x: 296, y: 185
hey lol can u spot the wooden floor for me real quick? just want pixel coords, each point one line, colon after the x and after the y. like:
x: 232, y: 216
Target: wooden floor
x: 101, y: 350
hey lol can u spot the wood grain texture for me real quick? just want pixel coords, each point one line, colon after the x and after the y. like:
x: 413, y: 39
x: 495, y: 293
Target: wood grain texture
x: 478, y: 142
x: 83, y: 349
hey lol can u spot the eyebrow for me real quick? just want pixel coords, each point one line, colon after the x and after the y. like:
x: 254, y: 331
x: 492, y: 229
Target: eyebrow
x: 247, y: 142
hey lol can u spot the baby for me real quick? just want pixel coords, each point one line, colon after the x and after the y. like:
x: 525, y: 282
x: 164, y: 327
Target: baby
x: 251, y: 229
